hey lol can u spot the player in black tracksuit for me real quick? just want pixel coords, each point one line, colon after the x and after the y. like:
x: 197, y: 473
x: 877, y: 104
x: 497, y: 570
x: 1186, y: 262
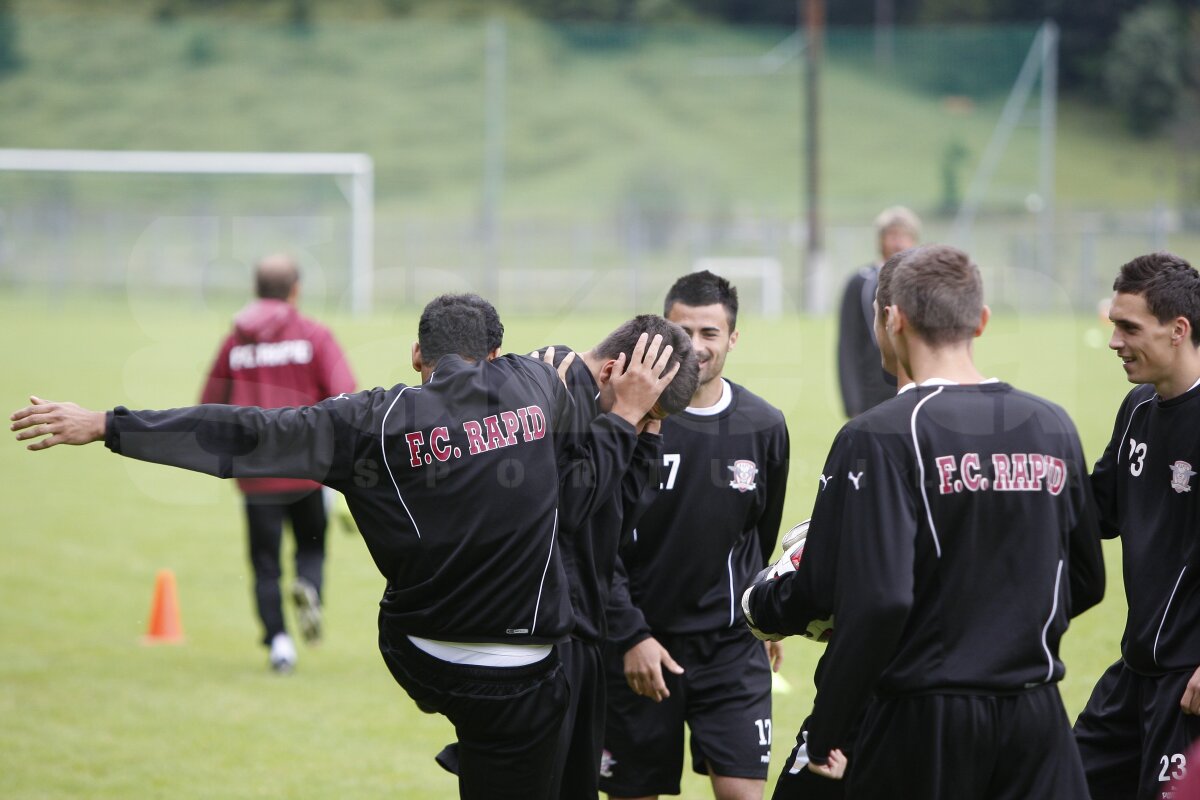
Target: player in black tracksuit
x: 1133, y: 735
x: 952, y: 540
x: 711, y: 526
x: 454, y: 485
x: 589, y: 544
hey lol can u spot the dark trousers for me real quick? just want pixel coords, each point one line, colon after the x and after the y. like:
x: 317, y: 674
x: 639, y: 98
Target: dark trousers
x: 265, y: 514
x: 507, y: 719
x: 581, y: 738
x: 798, y: 782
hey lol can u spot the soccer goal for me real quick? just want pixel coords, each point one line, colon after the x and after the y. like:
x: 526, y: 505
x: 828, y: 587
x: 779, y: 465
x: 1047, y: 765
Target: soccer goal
x: 64, y: 218
x: 767, y: 272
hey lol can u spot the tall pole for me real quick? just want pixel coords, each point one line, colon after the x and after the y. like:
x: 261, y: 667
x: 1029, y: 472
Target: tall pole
x: 814, y: 262
x: 1049, y: 128
x: 493, y: 155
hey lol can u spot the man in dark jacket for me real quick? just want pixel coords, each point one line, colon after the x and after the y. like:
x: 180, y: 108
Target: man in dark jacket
x: 276, y: 357
x: 864, y: 384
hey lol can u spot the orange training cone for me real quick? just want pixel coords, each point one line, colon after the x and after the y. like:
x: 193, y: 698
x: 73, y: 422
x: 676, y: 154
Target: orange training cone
x: 164, y: 626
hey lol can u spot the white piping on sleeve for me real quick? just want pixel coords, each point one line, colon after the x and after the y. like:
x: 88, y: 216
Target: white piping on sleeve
x: 545, y: 569
x: 1049, y: 620
x: 1161, y: 622
x: 921, y: 468
x: 383, y: 447
x: 732, y: 602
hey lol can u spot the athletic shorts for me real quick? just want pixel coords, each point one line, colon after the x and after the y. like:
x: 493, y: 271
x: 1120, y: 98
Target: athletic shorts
x: 1133, y: 736
x: 956, y: 746
x: 724, y: 697
x: 577, y: 766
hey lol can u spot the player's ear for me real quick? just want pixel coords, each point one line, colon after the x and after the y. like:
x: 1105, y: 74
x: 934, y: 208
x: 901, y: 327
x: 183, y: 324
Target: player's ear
x: 1181, y: 331
x: 606, y: 372
x: 895, y: 319
x: 417, y: 363
x: 984, y: 316
x: 492, y: 356
x: 733, y: 337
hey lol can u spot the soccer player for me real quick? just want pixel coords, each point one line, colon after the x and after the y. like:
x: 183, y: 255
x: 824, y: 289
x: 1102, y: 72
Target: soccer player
x: 863, y: 384
x: 1135, y: 732
x: 275, y: 356
x: 795, y: 781
x: 680, y: 652
x: 589, y: 544
x: 953, y: 538
x: 454, y: 485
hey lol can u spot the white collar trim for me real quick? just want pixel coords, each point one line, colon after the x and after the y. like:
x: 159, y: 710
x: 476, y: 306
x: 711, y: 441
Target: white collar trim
x: 717, y: 407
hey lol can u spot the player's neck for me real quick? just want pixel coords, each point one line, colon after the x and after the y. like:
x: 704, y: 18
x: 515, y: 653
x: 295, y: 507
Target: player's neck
x: 950, y: 362
x: 708, y: 394
x: 1181, y: 379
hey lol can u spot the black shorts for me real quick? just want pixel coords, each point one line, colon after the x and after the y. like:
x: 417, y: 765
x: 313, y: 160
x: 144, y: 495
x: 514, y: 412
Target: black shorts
x: 955, y: 746
x: 507, y: 719
x: 724, y: 696
x: 581, y: 739
x: 1133, y: 736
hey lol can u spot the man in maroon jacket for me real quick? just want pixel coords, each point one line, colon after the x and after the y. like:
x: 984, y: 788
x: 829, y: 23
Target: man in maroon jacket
x: 276, y: 357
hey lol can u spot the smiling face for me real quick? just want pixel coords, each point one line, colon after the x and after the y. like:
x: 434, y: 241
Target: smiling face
x: 708, y: 327
x: 1147, y: 347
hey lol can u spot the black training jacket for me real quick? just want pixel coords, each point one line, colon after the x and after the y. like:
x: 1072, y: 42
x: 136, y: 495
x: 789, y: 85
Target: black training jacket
x: 1146, y: 486
x: 709, y: 525
x: 454, y: 485
x: 953, y: 537
x: 624, y: 468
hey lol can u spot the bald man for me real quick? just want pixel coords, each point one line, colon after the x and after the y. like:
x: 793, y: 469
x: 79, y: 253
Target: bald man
x: 276, y: 357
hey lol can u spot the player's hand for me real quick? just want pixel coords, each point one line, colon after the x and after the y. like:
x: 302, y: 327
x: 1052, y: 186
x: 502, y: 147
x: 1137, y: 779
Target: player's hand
x: 638, y: 384
x: 1190, y: 703
x: 834, y: 768
x: 775, y: 655
x: 548, y: 357
x: 60, y: 423
x: 643, y: 669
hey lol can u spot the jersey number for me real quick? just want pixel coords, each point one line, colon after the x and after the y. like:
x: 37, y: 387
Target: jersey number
x: 764, y: 730
x: 1179, y: 761
x: 1136, y: 451
x: 671, y: 461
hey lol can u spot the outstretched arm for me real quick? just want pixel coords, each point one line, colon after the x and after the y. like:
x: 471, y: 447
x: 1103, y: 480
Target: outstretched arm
x: 59, y: 423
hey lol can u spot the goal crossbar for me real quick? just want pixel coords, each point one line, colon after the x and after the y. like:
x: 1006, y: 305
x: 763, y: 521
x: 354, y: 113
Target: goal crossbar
x: 358, y: 167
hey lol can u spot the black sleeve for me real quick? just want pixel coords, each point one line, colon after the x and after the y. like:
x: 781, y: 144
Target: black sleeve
x: 787, y: 604
x: 626, y: 623
x: 777, y: 475
x: 850, y: 345
x: 592, y: 468
x: 311, y: 442
x: 1104, y: 476
x: 1085, y: 557
x: 641, y: 481
x: 875, y: 526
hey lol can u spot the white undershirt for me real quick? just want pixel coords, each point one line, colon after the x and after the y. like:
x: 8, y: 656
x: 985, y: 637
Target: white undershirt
x: 944, y: 382
x: 483, y: 654
x: 717, y: 407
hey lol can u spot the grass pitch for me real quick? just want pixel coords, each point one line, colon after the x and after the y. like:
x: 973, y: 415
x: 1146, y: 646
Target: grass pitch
x: 91, y: 712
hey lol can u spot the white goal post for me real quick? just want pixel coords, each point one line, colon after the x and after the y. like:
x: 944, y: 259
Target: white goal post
x: 767, y: 271
x: 358, y: 168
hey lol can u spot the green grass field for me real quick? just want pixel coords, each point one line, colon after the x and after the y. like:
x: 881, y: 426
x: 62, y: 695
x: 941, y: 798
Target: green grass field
x: 91, y: 712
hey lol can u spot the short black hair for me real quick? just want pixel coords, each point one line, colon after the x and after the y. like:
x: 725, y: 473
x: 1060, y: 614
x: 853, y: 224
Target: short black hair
x: 455, y: 324
x: 940, y: 291
x: 1169, y: 284
x: 704, y: 288
x: 491, y: 319
x: 679, y: 391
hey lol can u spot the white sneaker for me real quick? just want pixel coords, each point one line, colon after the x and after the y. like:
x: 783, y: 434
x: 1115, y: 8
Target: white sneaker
x: 308, y: 610
x: 283, y: 654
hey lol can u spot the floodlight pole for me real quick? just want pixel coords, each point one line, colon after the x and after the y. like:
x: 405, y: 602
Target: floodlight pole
x: 493, y: 154
x: 1048, y: 131
x: 814, y: 262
